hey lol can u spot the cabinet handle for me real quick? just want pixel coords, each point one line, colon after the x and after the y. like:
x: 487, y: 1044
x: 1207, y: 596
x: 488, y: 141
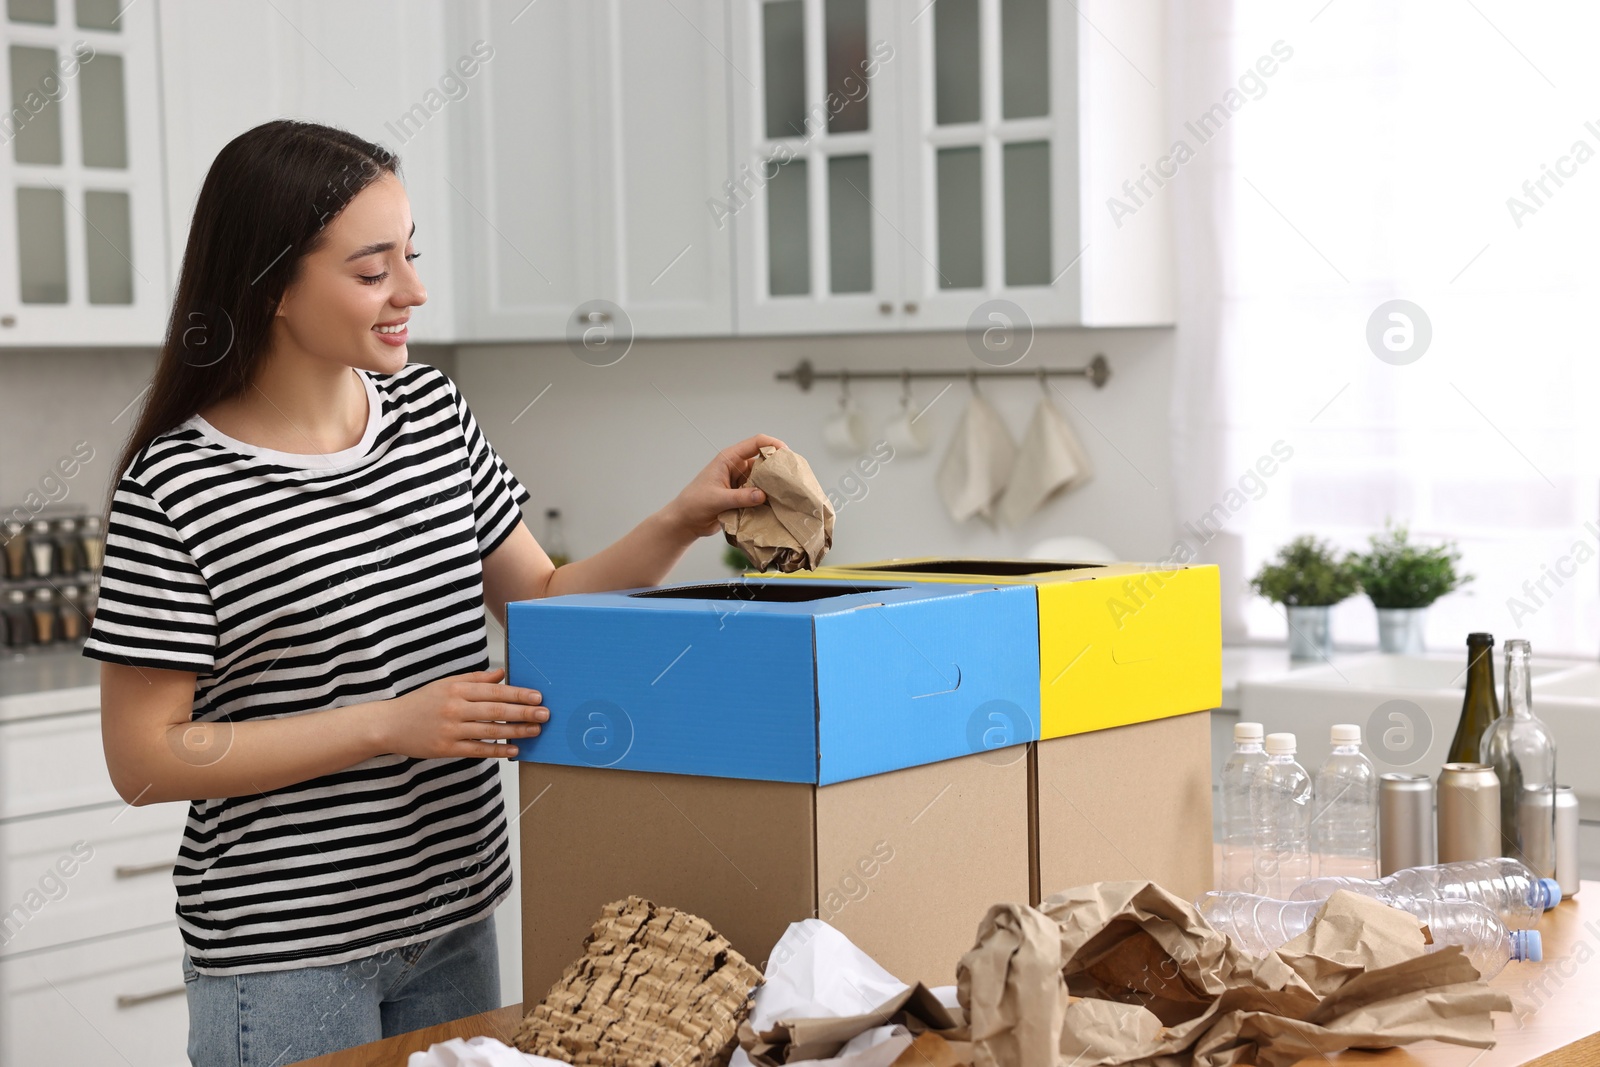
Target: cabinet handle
x: 134, y: 870
x: 8, y: 320
x: 133, y: 1000
x: 911, y: 307
x: 886, y: 308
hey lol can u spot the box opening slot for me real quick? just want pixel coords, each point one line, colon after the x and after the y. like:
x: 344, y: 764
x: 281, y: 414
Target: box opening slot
x: 762, y: 592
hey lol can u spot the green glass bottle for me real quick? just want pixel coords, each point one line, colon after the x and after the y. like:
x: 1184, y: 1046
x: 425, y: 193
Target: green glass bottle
x: 1480, y: 708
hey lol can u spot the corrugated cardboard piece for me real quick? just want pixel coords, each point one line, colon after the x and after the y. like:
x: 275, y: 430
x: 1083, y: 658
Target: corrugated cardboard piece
x: 654, y: 985
x: 793, y: 527
x: 1125, y: 972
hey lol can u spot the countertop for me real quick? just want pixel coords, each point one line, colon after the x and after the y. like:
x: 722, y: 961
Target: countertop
x: 1553, y: 1021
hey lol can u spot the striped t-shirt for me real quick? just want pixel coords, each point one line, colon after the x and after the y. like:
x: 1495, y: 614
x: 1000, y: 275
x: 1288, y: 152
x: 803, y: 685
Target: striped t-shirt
x: 294, y: 583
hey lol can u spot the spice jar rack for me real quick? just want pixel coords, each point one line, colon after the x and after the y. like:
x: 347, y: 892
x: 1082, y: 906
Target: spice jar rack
x: 50, y: 566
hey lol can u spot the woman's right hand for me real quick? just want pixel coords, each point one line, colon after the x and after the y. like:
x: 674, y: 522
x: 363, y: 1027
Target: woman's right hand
x: 452, y: 717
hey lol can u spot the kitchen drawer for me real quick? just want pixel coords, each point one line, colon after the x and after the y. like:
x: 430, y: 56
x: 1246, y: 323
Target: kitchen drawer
x: 52, y: 763
x: 87, y: 874
x: 117, y: 1000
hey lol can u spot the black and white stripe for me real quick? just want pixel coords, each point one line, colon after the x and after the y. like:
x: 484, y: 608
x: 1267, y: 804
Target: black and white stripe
x: 291, y: 584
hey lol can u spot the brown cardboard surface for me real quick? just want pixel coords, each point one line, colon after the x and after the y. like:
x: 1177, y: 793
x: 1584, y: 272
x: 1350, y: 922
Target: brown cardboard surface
x: 905, y: 864
x: 1133, y: 802
x: 958, y: 831
x: 736, y: 853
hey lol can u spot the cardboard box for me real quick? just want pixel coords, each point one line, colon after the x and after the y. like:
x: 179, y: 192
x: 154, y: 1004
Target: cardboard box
x: 1118, y: 642
x: 815, y: 682
x: 1129, y: 802
x: 905, y: 863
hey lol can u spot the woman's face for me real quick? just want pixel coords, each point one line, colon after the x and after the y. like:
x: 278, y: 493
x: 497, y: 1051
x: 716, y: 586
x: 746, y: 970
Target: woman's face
x: 359, y: 281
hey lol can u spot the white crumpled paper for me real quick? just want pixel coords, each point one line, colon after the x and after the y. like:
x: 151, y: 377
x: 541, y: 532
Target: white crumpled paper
x: 477, y: 1052
x: 816, y: 972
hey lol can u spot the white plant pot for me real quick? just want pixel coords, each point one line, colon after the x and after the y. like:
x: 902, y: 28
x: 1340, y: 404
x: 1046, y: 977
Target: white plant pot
x: 1400, y: 630
x: 1310, y: 636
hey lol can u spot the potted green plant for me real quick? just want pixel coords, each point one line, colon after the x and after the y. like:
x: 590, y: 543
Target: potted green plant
x: 1403, y: 579
x: 1307, y: 578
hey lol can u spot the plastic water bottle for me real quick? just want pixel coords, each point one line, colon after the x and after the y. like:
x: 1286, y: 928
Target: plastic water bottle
x: 1503, y: 885
x: 1280, y: 807
x: 1238, y: 831
x: 1344, y: 818
x: 1259, y: 925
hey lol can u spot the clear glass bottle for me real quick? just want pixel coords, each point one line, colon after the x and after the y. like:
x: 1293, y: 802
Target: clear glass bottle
x: 44, y: 615
x: 15, y: 532
x: 1522, y: 752
x: 1344, y: 818
x: 41, y: 549
x: 555, y: 538
x: 69, y: 552
x: 19, y: 619
x: 92, y: 543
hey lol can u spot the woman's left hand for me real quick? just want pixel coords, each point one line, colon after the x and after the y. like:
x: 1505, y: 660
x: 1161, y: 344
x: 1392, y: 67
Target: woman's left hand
x: 712, y: 491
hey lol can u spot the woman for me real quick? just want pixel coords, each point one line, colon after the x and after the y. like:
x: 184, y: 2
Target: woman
x: 304, y: 533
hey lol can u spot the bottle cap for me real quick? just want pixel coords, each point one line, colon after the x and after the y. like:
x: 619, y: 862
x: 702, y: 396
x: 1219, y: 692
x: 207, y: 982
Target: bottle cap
x: 1246, y: 731
x: 1345, y: 733
x: 1480, y: 639
x: 1527, y: 945
x: 1280, y: 744
x: 1552, y: 892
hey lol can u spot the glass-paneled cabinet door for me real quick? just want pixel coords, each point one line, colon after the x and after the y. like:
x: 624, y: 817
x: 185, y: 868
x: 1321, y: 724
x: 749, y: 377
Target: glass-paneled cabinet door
x: 82, y: 253
x: 990, y: 160
x: 813, y: 190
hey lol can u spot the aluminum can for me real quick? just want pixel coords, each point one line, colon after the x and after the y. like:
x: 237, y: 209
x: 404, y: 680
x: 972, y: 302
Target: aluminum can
x: 1405, y: 822
x: 1550, y: 845
x: 1469, y: 812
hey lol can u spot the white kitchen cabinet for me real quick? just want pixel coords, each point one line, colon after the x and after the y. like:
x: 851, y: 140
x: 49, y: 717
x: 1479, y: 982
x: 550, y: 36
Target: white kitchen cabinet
x: 814, y: 198
x: 82, y: 247
x: 89, y: 947
x: 112, y: 1000
x: 990, y: 136
x: 585, y: 169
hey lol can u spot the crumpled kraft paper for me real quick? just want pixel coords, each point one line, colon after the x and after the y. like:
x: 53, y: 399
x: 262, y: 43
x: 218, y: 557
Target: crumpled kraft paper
x: 793, y: 527
x: 1127, y: 973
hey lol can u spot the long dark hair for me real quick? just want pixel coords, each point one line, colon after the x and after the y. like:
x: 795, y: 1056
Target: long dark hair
x: 261, y: 210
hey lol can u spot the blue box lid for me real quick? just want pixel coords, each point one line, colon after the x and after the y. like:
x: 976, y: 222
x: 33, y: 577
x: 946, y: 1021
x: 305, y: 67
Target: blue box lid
x: 781, y: 679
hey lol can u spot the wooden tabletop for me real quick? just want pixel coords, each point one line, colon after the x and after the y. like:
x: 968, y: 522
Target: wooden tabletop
x: 1556, y: 1018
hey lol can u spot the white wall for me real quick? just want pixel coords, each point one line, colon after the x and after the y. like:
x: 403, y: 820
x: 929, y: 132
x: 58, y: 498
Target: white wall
x: 609, y: 445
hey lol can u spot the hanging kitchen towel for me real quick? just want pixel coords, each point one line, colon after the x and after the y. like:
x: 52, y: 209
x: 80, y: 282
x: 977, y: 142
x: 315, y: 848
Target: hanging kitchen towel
x: 1050, y: 461
x: 793, y: 527
x: 973, y: 472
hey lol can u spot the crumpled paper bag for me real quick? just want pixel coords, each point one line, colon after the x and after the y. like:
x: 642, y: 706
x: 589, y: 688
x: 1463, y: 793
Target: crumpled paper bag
x: 793, y: 527
x: 1127, y: 973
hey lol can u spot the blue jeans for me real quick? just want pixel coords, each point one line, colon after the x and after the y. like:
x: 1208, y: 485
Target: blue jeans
x: 272, y: 1018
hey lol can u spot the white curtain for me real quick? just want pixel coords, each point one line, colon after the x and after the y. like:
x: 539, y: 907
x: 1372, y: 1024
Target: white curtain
x: 1441, y: 152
